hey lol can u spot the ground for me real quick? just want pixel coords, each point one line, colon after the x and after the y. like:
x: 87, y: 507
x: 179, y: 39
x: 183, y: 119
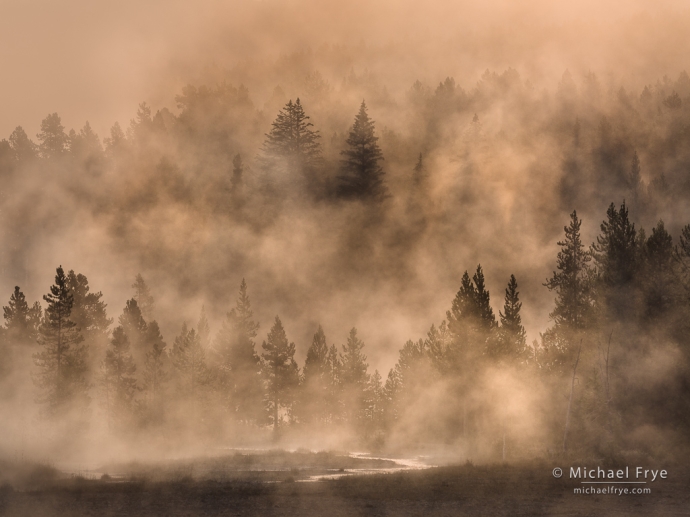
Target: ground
x: 444, y: 491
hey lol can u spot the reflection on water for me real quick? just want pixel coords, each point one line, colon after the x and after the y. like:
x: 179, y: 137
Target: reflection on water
x: 402, y: 464
x: 302, y: 465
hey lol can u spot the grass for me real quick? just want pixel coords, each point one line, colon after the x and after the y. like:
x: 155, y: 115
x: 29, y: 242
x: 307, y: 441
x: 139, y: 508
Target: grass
x: 495, y: 490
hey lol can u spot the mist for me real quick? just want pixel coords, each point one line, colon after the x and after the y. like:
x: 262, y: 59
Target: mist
x: 494, y: 122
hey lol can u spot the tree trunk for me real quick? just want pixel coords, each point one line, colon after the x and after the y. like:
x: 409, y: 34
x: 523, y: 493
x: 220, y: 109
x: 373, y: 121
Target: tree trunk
x: 570, y: 401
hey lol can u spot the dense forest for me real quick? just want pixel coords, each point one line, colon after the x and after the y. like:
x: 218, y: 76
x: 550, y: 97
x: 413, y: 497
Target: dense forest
x: 330, y: 214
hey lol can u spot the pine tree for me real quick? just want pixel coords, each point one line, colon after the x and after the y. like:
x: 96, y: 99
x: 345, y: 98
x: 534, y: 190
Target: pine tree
x: 142, y: 295
x: 362, y: 176
x: 53, y: 139
x: 615, y: 252
x: 191, y: 372
x: 239, y: 360
x: 156, y: 372
x: 419, y: 174
x: 355, y: 378
x: 316, y: 381
x: 335, y: 374
x: 135, y: 327
x: 471, y: 320
x: 22, y: 146
x: 616, y: 255
x: 659, y: 278
x: 62, y: 366
x: 118, y: 380
x: 513, y: 338
x: 291, y: 144
x: 21, y: 321
x: 90, y: 316
x: 572, y: 281
x: 410, y: 375
x: 316, y: 363
x: 280, y: 371
x: 117, y: 141
x: 375, y: 406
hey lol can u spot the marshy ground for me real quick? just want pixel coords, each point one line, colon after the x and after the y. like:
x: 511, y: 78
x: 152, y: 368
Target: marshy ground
x: 275, y: 485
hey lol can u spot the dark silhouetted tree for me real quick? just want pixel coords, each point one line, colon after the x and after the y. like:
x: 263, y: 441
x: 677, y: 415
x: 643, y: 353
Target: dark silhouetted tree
x: 291, y: 146
x: 90, y: 316
x: 513, y: 338
x: 361, y: 175
x: 280, y: 371
x: 572, y: 281
x: 62, y: 361
x: 659, y: 279
x: 21, y: 321
x: 53, y: 140
x: 616, y: 255
x: 471, y: 320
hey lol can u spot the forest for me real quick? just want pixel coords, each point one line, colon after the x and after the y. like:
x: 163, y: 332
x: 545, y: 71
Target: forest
x: 324, y: 211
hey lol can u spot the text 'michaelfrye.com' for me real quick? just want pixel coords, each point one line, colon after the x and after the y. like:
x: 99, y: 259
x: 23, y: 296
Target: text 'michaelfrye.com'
x: 619, y: 481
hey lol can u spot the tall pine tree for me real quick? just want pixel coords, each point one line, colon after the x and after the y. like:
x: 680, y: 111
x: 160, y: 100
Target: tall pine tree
x: 62, y: 361
x: 240, y: 365
x: 280, y: 371
x: 361, y: 175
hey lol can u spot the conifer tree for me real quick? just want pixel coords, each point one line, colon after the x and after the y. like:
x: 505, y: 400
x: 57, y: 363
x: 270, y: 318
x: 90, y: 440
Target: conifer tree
x: 419, y: 174
x: 291, y: 145
x: 616, y: 254
x: 316, y: 363
x: 240, y: 364
x: 22, y: 146
x: 659, y: 279
x: 410, y: 375
x: 118, y: 380
x: 135, y: 327
x: 375, y: 404
x: 572, y: 281
x: 335, y: 371
x: 471, y: 320
x: 62, y: 361
x: 355, y: 378
x: 361, y: 175
x: 189, y: 360
x: 21, y: 321
x: 117, y: 141
x: 280, y: 371
x: 316, y: 381
x: 90, y: 316
x: 155, y: 367
x: 53, y: 139
x: 513, y: 338
x: 142, y: 295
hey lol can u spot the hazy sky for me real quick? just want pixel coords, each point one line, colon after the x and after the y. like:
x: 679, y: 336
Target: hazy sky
x: 98, y: 60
